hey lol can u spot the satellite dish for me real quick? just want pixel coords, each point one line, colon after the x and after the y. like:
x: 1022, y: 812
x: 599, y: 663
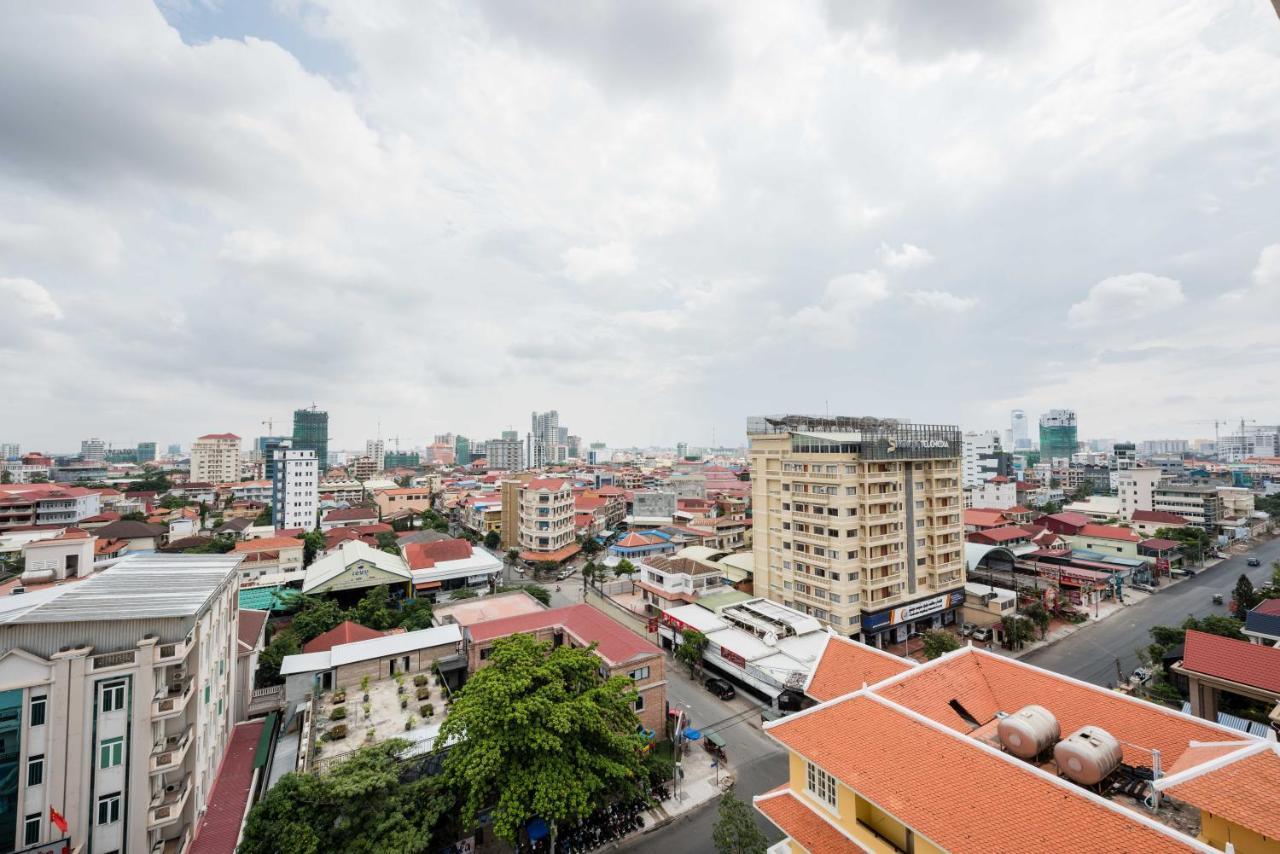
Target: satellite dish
x: 770, y: 639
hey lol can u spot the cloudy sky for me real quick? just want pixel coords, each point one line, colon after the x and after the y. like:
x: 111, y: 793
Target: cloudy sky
x: 657, y: 218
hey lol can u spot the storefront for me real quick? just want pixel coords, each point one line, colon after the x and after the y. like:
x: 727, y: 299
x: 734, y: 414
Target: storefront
x: 892, y: 625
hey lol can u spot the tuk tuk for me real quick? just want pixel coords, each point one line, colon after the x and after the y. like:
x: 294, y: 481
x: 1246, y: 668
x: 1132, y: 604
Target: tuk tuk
x: 714, y: 744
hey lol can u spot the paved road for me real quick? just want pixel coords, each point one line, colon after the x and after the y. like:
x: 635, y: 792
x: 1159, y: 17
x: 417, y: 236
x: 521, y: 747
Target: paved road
x: 758, y: 763
x: 1090, y: 654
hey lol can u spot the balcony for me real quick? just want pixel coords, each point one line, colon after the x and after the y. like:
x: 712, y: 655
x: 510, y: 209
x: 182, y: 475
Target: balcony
x: 810, y: 557
x: 881, y: 539
x: 882, y: 518
x: 173, y: 700
x: 169, y: 753
x: 817, y: 517
x: 810, y: 599
x: 113, y: 659
x: 172, y: 653
x: 882, y: 560
x: 166, y: 805
x: 942, y: 579
x: 814, y: 539
x: 176, y: 845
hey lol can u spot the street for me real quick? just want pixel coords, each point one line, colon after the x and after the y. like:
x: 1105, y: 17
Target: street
x: 1090, y: 654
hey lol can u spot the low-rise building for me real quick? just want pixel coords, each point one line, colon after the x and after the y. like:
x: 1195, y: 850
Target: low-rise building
x: 1106, y: 539
x: 23, y: 505
x: 352, y: 567
x: 391, y: 501
x: 443, y: 566
x: 1198, y: 503
x: 271, y: 560
x: 666, y: 582
x: 1262, y: 624
x: 345, y: 517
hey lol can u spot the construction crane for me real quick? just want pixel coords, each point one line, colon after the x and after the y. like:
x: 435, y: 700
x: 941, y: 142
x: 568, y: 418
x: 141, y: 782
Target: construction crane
x: 1216, y: 424
x: 270, y: 424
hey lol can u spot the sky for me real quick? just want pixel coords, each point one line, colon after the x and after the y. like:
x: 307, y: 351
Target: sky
x: 656, y: 218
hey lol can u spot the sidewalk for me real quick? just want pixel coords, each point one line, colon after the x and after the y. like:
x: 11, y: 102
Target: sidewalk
x: 697, y: 788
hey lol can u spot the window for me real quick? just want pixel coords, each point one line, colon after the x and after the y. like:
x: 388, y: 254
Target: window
x: 31, y: 829
x: 38, y: 706
x: 821, y: 785
x: 35, y: 770
x: 639, y: 706
x: 639, y: 673
x: 206, y: 694
x: 113, y: 697
x: 110, y: 753
x: 109, y: 809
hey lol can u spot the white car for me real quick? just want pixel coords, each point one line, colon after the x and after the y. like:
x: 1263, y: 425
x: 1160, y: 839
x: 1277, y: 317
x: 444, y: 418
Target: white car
x: 982, y: 635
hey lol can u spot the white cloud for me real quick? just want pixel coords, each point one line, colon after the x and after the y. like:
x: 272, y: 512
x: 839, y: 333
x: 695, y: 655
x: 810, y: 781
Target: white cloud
x: 906, y: 257
x: 1124, y: 298
x: 24, y: 299
x: 940, y: 301
x: 582, y: 264
x: 1266, y: 276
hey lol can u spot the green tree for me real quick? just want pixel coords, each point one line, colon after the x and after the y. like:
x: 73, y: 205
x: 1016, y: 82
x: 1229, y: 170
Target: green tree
x: 312, y: 545
x: 539, y: 732
x: 173, y: 502
x: 1244, y: 598
x: 491, y: 540
x: 690, y: 652
x: 263, y: 518
x: 591, y: 546
x: 939, y: 643
x: 6, y: 476
x: 315, y: 616
x: 624, y: 569
x: 374, y: 609
x: 1017, y: 631
x: 388, y: 543
x: 546, y: 567
x: 134, y: 517
x: 537, y: 591
x: 268, y: 673
x: 463, y: 593
x: 1196, y: 542
x: 368, y: 803
x: 415, y: 614
x: 1037, y: 613
x: 735, y: 830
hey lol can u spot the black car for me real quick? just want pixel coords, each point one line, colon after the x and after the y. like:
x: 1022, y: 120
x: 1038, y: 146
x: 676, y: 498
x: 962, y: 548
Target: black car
x: 720, y: 688
x: 1253, y: 561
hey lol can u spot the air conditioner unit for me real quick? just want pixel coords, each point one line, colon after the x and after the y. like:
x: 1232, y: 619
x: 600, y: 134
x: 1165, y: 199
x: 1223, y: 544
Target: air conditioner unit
x: 17, y: 591
x: 179, y: 675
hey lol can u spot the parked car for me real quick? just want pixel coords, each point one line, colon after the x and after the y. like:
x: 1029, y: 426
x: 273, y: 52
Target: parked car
x: 967, y: 629
x: 1253, y: 561
x: 1217, y: 598
x: 1140, y: 675
x: 720, y: 688
x: 981, y: 634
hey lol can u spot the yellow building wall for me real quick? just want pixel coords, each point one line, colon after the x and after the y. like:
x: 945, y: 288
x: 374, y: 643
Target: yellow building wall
x: 1217, y: 831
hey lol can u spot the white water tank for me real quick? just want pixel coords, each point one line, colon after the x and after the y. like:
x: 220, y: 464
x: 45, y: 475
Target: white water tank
x: 1029, y: 731
x: 1088, y: 755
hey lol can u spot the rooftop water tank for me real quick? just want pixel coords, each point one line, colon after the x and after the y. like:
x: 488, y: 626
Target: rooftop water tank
x: 1088, y: 755
x: 1028, y: 732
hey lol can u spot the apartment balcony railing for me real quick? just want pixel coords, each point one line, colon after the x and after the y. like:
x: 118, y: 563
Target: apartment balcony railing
x: 173, y: 700
x: 882, y: 560
x: 113, y: 659
x: 880, y: 539
x: 166, y: 804
x: 810, y: 599
x: 813, y: 539
x: 168, y: 753
x: 176, y: 845
x: 806, y: 515
x: 168, y: 653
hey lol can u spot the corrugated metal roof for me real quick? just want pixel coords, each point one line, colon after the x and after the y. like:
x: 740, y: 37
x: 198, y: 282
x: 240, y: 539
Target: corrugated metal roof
x: 139, y: 587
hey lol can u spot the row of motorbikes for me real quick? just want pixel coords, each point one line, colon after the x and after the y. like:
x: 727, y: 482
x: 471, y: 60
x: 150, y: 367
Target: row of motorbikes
x: 605, y: 825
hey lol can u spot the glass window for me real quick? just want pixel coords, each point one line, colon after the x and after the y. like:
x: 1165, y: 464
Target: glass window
x: 113, y: 696
x: 35, y: 770
x: 31, y: 829
x: 109, y: 809
x: 821, y: 785
x: 38, y: 708
x: 111, y: 753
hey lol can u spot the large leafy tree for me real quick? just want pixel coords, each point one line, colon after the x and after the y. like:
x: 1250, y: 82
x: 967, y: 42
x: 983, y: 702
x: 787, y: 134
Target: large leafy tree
x: 735, y: 830
x: 939, y: 643
x: 540, y: 733
x: 364, y: 804
x: 690, y: 652
x: 1244, y: 598
x: 312, y: 545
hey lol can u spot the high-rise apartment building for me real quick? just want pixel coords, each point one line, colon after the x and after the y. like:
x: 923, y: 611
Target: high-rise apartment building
x: 215, y: 458
x: 545, y: 430
x: 858, y: 522
x: 376, y: 450
x: 311, y: 433
x: 117, y: 704
x: 461, y: 450
x: 146, y: 452
x: 1151, y: 447
x: 505, y: 454
x: 175, y: 450
x: 10, y: 451
x: 295, y: 487
x: 401, y: 459
x: 93, y: 449
x: 682, y: 450
x: 266, y: 447
x: 1251, y: 441
x: 1058, y: 437
x: 983, y: 458
x: 545, y: 517
x: 511, y: 435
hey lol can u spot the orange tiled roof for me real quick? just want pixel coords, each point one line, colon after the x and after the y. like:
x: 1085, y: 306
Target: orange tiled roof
x: 1109, y: 532
x: 845, y: 666
x: 795, y: 818
x: 958, y: 794
x: 557, y: 555
x: 267, y: 544
x: 1244, y: 791
x: 986, y: 683
x: 1233, y: 660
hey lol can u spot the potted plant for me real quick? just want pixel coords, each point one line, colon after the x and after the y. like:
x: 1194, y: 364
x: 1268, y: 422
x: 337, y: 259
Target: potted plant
x: 410, y: 722
x: 338, y: 714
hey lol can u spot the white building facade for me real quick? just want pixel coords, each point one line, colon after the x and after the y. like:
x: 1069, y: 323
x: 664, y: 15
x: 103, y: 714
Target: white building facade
x: 295, y: 492
x: 215, y: 458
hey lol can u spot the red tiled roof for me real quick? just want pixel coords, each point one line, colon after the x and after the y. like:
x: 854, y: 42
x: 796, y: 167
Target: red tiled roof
x: 344, y: 632
x: 342, y: 515
x: 1159, y: 516
x: 1268, y: 606
x: 1233, y: 660
x: 219, y: 827
x: 1001, y: 535
x: 1070, y: 518
x: 955, y: 793
x: 267, y: 544
x: 220, y: 436
x: 617, y: 644
x: 846, y: 665
x: 589, y: 502
x: 1245, y: 791
x: 989, y: 518
x: 427, y: 555
x: 556, y: 556
x: 634, y: 540
x: 798, y: 821
x: 1017, y: 508
x: 1108, y: 532
x: 1159, y: 545
x: 551, y: 484
x: 986, y: 683
x: 251, y: 623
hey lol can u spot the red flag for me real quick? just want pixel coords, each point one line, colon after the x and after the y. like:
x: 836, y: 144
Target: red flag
x: 57, y: 819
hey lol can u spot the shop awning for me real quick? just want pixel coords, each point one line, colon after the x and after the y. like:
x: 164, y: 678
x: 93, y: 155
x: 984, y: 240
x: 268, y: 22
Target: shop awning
x: 426, y: 585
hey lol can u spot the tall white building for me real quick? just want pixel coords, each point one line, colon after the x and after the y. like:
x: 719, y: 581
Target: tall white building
x: 215, y: 458
x: 545, y: 432
x: 504, y: 454
x: 10, y: 451
x: 981, y: 457
x: 1252, y: 441
x: 116, y: 704
x: 295, y: 490
x: 93, y: 449
x: 1019, y: 431
x: 376, y: 450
